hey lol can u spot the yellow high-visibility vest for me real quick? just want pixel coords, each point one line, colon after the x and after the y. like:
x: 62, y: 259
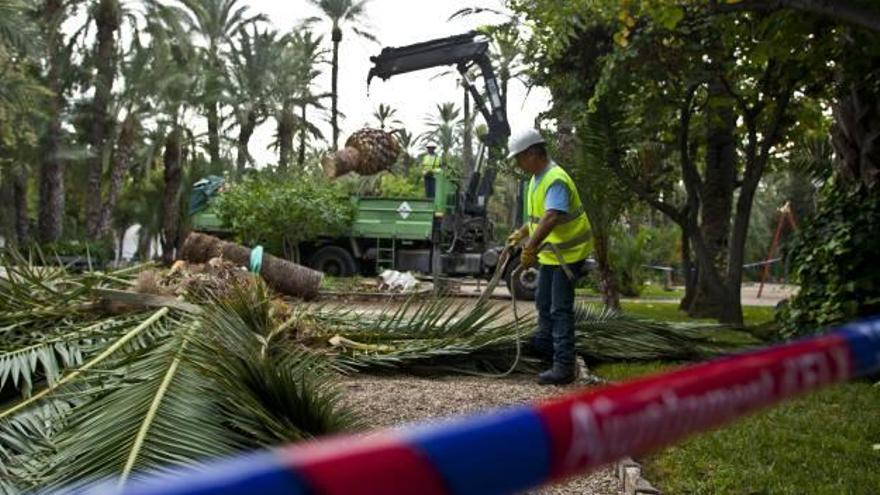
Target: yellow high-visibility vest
x: 571, y: 236
x: 431, y: 163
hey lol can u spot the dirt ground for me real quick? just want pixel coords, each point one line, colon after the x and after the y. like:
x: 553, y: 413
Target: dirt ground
x: 396, y: 400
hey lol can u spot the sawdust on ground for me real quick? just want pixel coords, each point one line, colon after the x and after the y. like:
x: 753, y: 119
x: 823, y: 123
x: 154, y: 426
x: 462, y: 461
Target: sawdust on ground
x: 395, y: 400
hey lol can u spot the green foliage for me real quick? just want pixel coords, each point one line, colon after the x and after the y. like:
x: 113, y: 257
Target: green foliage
x: 834, y: 256
x: 270, y: 209
x: 631, y: 252
x: 398, y: 186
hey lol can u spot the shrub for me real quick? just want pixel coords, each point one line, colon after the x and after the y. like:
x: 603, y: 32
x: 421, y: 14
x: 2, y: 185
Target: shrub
x: 834, y: 258
x: 270, y: 208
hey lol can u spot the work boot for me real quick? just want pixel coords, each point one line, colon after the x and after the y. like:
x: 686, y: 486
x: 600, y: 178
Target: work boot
x: 558, y: 375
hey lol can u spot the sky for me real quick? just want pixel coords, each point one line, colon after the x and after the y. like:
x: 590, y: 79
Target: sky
x: 414, y: 95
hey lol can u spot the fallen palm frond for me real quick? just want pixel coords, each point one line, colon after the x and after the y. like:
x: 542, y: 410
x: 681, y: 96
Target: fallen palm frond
x: 607, y: 335
x: 440, y: 336
x: 420, y: 337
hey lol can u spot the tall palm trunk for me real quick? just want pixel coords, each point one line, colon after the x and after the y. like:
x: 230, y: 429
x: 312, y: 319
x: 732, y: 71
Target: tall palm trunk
x: 246, y: 130
x: 303, y: 134
x: 51, y: 216
x: 286, y: 126
x: 214, y: 135
x: 19, y: 200
x: 123, y: 159
x: 107, y: 19
x: 334, y: 91
x: 173, y: 177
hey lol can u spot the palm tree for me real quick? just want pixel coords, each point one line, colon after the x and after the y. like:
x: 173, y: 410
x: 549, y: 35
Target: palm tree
x: 107, y: 16
x: 341, y: 13
x: 175, y: 56
x: 444, y: 128
x: 252, y: 60
x: 214, y: 23
x: 51, y: 218
x: 297, y: 66
x: 384, y: 115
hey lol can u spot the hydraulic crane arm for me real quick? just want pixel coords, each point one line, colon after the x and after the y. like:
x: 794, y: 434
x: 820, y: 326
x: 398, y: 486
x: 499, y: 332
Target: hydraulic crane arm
x: 463, y: 52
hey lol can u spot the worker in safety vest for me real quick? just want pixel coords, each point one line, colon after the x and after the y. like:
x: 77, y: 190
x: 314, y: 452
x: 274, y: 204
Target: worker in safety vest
x: 430, y: 165
x: 557, y: 238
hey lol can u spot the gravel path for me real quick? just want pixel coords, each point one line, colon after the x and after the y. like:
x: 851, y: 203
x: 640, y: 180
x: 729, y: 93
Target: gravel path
x: 395, y: 400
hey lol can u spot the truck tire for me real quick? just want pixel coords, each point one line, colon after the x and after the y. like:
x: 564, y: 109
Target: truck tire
x: 334, y: 261
x: 525, y: 285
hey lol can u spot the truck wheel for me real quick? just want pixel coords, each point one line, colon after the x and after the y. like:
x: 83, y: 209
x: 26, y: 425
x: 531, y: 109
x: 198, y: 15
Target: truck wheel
x: 334, y: 261
x: 525, y: 284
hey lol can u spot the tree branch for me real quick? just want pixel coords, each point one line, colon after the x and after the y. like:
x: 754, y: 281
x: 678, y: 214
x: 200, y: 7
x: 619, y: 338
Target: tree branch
x: 839, y: 10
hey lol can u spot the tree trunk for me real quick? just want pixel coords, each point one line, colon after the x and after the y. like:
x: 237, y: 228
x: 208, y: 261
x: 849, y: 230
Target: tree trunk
x: 214, y: 136
x: 107, y: 19
x: 285, y: 276
x: 171, y: 198
x: 334, y: 90
x: 245, y: 132
x: 301, y: 155
x: 690, y: 271
x: 286, y: 126
x: 123, y: 160
x: 19, y: 199
x: 717, y: 200
x: 856, y: 136
x: 607, y: 280
x: 51, y: 216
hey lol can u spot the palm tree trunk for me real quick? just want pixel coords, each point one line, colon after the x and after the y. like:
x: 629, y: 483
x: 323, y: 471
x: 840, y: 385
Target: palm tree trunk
x: 244, y: 137
x: 171, y: 200
x: 334, y: 94
x: 123, y: 159
x: 107, y: 19
x: 19, y: 199
x: 301, y: 158
x: 214, y: 136
x: 51, y: 217
x: 285, y: 137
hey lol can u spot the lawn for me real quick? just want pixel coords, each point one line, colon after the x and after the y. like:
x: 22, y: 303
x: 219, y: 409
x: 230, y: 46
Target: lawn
x: 824, y: 443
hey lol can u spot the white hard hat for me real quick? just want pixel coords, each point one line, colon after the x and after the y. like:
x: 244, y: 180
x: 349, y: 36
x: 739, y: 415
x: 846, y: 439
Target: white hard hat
x: 524, y: 141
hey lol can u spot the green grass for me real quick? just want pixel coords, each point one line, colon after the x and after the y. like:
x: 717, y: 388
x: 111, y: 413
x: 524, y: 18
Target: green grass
x: 824, y: 443
x: 652, y: 291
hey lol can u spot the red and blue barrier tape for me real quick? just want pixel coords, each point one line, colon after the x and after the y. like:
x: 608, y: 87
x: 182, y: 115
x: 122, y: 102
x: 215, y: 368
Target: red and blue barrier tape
x: 515, y: 449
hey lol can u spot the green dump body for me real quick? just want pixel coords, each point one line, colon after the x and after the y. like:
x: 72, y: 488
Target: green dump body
x: 376, y: 217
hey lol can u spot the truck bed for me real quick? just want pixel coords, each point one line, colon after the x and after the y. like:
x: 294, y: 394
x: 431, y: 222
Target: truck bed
x: 400, y: 218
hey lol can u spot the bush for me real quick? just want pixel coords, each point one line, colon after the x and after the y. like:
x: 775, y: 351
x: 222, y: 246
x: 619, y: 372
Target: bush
x: 397, y: 186
x: 834, y: 259
x: 270, y: 208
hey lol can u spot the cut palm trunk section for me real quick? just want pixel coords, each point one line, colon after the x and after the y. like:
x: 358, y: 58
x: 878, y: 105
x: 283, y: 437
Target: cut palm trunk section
x: 284, y: 276
x: 367, y: 152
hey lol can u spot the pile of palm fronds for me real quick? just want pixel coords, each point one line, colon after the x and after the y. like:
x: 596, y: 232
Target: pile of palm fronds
x: 112, y: 391
x: 118, y: 394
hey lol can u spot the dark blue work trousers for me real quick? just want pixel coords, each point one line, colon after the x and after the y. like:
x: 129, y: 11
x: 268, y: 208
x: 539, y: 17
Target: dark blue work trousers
x: 555, y: 303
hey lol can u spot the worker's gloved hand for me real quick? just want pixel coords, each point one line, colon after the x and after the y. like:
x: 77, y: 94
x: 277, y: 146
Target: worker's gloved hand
x: 515, y: 238
x: 529, y: 257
